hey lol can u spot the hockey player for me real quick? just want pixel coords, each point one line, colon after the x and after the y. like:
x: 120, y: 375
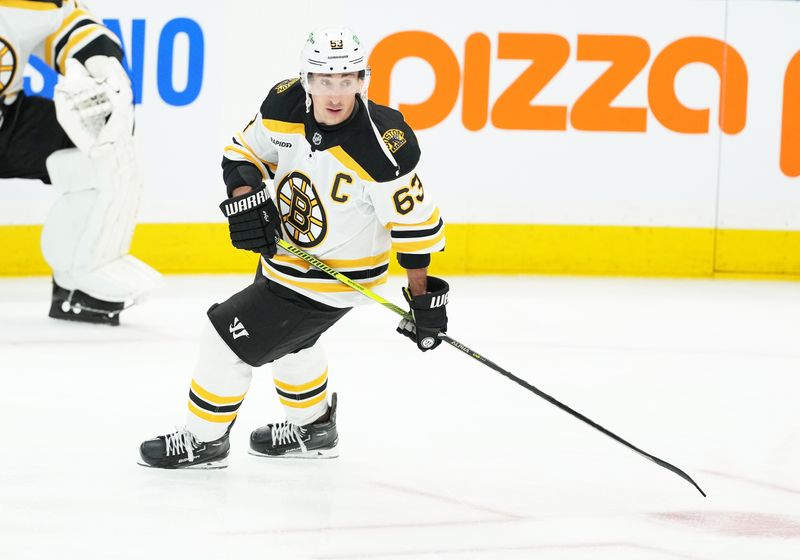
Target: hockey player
x: 348, y: 188
x: 82, y: 143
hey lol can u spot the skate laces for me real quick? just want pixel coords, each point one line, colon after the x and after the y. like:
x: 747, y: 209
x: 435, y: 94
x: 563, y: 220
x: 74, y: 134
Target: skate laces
x: 180, y: 441
x: 287, y: 432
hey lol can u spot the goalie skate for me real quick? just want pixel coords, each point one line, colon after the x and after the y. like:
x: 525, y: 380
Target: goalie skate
x: 75, y: 305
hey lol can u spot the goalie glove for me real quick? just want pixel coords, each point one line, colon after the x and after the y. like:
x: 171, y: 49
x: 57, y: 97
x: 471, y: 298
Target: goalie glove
x: 253, y: 222
x: 94, y: 104
x: 430, y: 315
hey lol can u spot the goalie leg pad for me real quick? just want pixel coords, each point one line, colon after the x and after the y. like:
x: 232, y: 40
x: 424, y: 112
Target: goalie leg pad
x: 88, y: 232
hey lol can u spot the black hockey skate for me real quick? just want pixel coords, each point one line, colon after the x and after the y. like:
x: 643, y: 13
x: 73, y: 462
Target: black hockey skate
x: 181, y: 450
x: 286, y: 440
x: 75, y: 305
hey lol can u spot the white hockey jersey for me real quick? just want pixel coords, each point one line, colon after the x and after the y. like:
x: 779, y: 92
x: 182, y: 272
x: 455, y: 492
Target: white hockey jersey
x: 53, y: 30
x: 339, y: 196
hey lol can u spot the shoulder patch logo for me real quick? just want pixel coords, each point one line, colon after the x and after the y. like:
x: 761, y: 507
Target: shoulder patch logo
x: 394, y: 139
x: 284, y: 85
x: 8, y: 64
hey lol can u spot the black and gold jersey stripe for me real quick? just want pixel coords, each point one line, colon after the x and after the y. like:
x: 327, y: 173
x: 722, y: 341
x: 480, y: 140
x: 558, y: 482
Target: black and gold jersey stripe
x: 252, y: 171
x: 80, y: 35
x: 417, y: 233
x: 315, y: 274
x: 420, y: 237
x: 35, y: 5
x: 315, y: 280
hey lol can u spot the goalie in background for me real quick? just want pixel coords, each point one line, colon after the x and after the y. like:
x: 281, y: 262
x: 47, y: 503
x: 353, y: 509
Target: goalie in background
x: 82, y: 144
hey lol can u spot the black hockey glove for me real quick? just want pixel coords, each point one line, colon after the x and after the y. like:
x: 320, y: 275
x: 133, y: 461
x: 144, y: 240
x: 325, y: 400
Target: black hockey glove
x: 430, y: 315
x: 253, y: 221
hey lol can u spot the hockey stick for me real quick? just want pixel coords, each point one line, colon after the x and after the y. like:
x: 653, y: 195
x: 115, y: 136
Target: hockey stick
x: 471, y: 353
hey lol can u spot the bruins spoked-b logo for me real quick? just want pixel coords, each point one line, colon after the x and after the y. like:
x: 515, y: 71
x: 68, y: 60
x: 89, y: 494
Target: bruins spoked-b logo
x: 301, y: 211
x: 8, y: 64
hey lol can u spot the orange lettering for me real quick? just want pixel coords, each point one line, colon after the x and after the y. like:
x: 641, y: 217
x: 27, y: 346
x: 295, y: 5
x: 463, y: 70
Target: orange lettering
x: 732, y: 72
x: 435, y: 52
x: 592, y: 110
x: 513, y: 110
x: 475, y: 102
x: 790, y: 126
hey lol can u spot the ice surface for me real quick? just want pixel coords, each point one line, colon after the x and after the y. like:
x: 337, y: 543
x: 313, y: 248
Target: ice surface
x: 440, y: 456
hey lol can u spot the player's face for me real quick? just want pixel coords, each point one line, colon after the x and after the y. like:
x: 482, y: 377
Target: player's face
x: 334, y: 96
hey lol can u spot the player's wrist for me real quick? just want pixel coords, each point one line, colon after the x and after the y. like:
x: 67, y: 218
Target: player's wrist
x: 239, y: 191
x: 417, y: 281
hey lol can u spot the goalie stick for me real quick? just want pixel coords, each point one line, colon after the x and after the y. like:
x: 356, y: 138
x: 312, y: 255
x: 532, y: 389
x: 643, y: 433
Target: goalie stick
x: 485, y: 361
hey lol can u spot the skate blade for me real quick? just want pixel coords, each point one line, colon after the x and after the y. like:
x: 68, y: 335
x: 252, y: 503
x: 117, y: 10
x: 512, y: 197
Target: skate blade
x: 220, y: 464
x: 313, y: 454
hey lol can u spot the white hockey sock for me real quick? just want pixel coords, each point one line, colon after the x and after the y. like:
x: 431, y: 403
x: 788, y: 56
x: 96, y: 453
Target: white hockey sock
x: 219, y: 385
x: 301, y: 380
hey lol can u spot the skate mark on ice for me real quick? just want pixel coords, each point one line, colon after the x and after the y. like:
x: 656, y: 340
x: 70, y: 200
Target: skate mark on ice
x: 737, y: 523
x: 373, y: 527
x: 753, y: 481
x: 486, y: 551
x: 448, y: 500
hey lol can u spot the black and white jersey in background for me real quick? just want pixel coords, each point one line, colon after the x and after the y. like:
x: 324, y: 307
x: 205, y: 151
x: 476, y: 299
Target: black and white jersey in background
x: 53, y: 30
x: 340, y: 198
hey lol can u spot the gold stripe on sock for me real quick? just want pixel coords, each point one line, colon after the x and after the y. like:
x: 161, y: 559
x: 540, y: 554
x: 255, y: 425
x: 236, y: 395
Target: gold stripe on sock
x: 304, y: 404
x: 211, y: 417
x: 212, y: 398
x: 305, y: 386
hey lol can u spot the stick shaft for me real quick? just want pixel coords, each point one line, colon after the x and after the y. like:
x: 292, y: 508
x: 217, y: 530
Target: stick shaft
x: 552, y: 400
x: 485, y: 361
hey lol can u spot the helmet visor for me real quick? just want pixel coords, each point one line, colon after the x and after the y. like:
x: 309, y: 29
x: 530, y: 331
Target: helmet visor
x: 334, y: 84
